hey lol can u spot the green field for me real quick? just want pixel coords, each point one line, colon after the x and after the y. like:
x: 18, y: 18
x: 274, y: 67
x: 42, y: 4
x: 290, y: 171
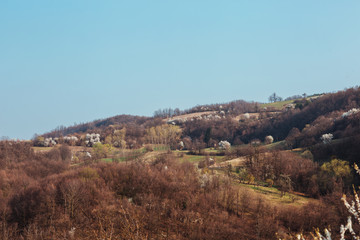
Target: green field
x: 106, y: 160
x: 277, y: 105
x: 185, y: 156
x: 192, y: 158
x: 212, y: 150
x: 273, y: 195
x: 276, y: 145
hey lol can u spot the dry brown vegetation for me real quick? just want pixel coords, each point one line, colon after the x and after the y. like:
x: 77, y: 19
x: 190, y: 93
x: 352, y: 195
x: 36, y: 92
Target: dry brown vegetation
x: 146, y: 191
x: 43, y: 198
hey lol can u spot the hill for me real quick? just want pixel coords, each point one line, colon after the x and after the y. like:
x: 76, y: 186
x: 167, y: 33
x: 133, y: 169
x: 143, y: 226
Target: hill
x: 299, y: 121
x: 274, y: 169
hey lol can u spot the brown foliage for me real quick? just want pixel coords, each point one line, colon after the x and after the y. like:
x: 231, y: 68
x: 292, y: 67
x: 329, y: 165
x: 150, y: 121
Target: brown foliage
x: 134, y: 200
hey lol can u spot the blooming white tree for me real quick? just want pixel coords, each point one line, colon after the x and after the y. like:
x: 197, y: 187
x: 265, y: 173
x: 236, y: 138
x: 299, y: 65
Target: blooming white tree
x: 49, y: 142
x: 326, y: 138
x: 224, y: 145
x: 71, y: 140
x: 92, y: 138
x: 87, y: 154
x: 353, y: 209
x: 269, y: 139
x: 350, y: 112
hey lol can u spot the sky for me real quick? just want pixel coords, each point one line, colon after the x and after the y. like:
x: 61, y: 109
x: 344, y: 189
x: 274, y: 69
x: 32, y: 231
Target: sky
x: 74, y: 61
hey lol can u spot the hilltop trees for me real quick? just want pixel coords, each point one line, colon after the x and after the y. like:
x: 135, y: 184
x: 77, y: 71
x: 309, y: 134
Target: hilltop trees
x: 275, y: 98
x: 319, y: 116
x: 336, y: 113
x: 167, y: 112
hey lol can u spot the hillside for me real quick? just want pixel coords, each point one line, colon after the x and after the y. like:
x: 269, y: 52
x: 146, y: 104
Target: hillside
x: 223, y: 171
x: 301, y: 122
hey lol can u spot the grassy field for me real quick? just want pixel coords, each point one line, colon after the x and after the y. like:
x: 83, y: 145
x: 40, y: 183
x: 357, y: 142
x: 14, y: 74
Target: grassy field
x: 161, y: 148
x: 106, y: 160
x: 273, y: 195
x: 185, y: 156
x: 276, y: 145
x: 192, y: 158
x: 270, y: 195
x: 42, y: 149
x: 212, y: 150
x: 277, y: 105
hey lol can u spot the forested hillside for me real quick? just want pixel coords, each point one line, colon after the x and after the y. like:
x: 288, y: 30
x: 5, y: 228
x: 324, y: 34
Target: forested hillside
x: 301, y: 125
x: 235, y: 170
x: 44, y: 196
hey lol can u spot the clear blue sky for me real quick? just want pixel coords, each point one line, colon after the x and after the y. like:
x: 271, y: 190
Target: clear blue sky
x: 71, y: 61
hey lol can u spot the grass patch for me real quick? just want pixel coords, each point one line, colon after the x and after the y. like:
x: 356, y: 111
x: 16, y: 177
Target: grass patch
x: 274, y: 195
x: 161, y: 148
x: 192, y: 158
x: 277, y: 145
x: 124, y: 155
x: 42, y: 149
x: 212, y: 150
x: 277, y: 105
x: 106, y: 160
x: 184, y: 156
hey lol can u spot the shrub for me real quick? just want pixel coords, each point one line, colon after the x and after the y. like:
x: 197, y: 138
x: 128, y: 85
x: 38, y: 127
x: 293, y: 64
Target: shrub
x: 269, y: 139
